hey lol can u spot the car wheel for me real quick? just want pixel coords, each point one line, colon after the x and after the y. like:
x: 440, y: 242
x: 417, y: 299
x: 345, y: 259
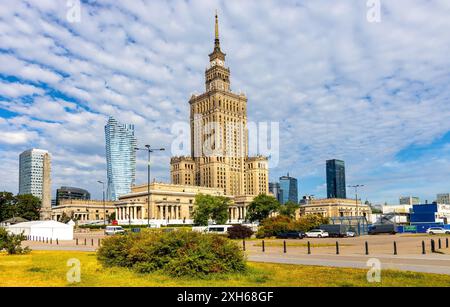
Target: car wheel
x: 447, y: 232
x: 319, y: 236
x: 431, y: 233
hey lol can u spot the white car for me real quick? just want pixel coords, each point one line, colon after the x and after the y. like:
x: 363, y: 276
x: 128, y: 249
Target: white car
x: 350, y: 234
x: 437, y: 231
x: 317, y: 233
x: 113, y: 230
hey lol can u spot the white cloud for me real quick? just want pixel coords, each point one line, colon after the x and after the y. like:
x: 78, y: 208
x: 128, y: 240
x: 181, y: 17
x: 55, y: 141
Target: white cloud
x: 340, y: 86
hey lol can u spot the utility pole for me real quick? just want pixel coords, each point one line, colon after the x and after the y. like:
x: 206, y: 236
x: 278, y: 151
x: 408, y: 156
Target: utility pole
x: 149, y: 150
x: 357, y: 209
x: 104, y: 206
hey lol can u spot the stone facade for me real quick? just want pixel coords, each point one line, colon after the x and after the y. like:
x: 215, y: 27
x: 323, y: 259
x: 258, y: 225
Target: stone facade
x: 83, y: 210
x: 170, y: 204
x: 219, y: 138
x: 335, y: 207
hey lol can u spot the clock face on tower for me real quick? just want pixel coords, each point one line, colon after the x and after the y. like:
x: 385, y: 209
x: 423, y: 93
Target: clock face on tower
x: 217, y: 62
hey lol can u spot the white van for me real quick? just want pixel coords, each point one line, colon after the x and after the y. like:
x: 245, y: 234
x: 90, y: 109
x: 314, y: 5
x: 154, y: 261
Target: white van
x: 219, y: 229
x: 112, y: 230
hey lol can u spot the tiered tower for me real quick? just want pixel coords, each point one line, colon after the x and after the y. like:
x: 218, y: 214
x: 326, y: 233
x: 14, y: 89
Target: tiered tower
x: 219, y: 137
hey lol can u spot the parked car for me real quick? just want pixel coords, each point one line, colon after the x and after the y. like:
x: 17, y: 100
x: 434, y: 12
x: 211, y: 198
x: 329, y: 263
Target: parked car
x: 350, y: 234
x: 437, y: 231
x: 317, y: 233
x: 291, y: 235
x: 382, y: 228
x: 113, y: 230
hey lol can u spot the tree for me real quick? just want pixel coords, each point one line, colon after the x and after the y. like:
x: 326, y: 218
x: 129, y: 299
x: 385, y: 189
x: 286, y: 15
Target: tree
x: 208, y: 207
x: 64, y: 218
x: 12, y: 243
x: 28, y: 207
x: 289, y: 209
x: 7, y: 201
x: 219, y: 211
x: 261, y: 207
x: 111, y: 217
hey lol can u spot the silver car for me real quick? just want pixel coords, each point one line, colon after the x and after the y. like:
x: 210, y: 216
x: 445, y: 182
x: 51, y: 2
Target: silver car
x: 113, y: 230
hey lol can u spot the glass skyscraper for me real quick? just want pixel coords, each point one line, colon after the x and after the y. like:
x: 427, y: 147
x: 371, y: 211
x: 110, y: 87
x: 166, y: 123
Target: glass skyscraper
x: 288, y: 189
x: 32, y: 172
x: 336, y: 187
x: 120, y: 158
x: 274, y: 188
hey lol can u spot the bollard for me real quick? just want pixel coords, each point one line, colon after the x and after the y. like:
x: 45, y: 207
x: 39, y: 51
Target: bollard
x: 337, y: 248
x: 98, y: 242
x: 57, y: 242
x: 263, y: 246
x: 446, y: 243
x: 46, y: 241
x: 85, y: 241
x: 439, y: 243
x: 433, y: 247
x: 395, y: 248
x: 51, y: 240
x: 367, y: 248
x: 92, y: 242
x: 309, y: 248
x: 423, y: 248
x: 284, y: 246
x: 76, y: 241
x: 243, y: 245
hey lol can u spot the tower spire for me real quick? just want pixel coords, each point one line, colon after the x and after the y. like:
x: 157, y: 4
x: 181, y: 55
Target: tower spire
x: 217, y: 40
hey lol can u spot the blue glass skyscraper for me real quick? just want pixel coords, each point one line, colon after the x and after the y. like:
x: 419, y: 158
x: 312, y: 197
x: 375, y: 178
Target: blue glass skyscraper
x: 120, y: 158
x: 336, y: 187
x: 288, y: 189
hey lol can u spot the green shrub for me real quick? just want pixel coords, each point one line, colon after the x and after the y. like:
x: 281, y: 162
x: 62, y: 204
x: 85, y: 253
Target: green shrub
x: 239, y: 232
x: 12, y: 243
x: 273, y: 226
x: 179, y: 253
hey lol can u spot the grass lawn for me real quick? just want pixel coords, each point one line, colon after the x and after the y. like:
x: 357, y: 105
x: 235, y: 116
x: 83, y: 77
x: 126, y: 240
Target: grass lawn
x: 48, y: 268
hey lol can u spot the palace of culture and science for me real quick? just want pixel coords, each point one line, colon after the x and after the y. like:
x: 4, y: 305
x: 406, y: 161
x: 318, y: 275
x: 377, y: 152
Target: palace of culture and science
x: 219, y: 137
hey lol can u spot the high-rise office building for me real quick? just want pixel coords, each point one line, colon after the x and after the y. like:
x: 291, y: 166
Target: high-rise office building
x: 274, y: 188
x: 120, y: 158
x: 71, y: 193
x: 220, y: 159
x: 443, y: 199
x: 34, y: 177
x: 336, y: 187
x: 409, y: 200
x: 288, y: 189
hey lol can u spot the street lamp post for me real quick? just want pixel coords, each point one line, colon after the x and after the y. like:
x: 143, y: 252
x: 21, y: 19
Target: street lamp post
x: 104, y: 206
x: 149, y: 150
x: 357, y: 209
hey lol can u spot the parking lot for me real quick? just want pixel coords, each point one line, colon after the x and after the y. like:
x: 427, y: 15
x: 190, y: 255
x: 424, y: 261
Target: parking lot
x: 407, y: 244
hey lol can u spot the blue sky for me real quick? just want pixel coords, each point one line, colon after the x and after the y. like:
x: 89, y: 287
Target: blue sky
x: 373, y: 94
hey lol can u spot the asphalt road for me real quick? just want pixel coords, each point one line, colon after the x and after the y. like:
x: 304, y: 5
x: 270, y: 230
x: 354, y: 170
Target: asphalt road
x: 427, y: 264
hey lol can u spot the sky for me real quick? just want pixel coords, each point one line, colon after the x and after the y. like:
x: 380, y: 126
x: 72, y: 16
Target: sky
x: 340, y: 83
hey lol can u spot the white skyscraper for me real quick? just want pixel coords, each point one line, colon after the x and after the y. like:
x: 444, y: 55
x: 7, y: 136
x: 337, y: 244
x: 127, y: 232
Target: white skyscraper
x: 31, y: 172
x: 35, y: 178
x: 120, y: 158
